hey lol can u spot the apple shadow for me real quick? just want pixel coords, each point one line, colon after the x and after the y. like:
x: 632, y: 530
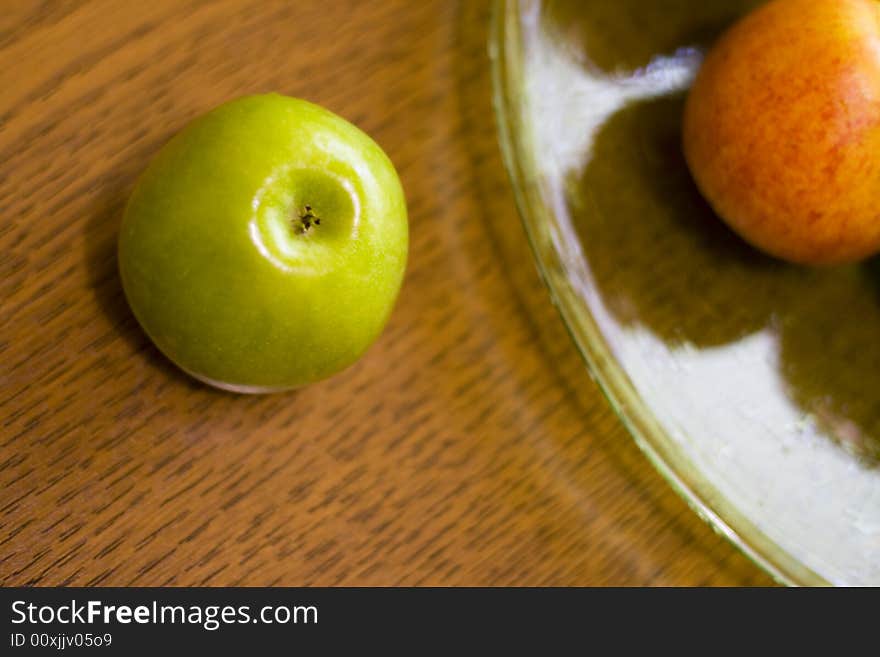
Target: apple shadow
x: 101, y: 235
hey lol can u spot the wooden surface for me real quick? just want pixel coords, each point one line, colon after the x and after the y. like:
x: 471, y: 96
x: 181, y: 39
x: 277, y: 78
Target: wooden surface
x: 469, y: 446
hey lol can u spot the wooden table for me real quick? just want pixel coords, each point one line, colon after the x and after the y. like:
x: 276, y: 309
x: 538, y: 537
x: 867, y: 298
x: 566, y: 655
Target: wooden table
x: 469, y: 446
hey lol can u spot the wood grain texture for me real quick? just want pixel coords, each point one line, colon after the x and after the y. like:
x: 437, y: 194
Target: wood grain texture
x: 469, y: 446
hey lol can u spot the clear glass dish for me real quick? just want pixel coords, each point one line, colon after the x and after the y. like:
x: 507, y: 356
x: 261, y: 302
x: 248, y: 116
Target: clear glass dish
x: 752, y: 385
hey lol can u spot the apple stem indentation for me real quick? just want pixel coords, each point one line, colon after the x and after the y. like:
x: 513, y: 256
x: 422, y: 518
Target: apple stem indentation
x: 304, y: 222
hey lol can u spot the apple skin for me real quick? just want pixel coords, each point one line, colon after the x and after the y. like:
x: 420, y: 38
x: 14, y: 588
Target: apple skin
x: 225, y: 275
x: 781, y: 129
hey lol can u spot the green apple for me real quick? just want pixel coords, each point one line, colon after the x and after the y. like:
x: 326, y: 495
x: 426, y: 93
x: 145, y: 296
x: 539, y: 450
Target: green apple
x: 265, y: 245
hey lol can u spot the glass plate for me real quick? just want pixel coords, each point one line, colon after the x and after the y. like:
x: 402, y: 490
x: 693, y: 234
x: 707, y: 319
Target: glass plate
x: 753, y: 386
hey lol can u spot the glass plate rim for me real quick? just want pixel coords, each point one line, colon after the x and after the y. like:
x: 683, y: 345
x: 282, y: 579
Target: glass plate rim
x: 700, y: 495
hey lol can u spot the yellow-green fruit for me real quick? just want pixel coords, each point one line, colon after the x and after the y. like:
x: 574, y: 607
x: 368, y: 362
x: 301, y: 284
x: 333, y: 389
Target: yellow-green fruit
x: 265, y: 245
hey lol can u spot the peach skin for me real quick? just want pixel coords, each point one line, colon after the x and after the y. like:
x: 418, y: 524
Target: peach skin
x: 782, y: 129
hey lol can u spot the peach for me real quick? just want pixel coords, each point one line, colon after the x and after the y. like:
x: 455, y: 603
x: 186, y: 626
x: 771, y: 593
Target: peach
x: 782, y: 129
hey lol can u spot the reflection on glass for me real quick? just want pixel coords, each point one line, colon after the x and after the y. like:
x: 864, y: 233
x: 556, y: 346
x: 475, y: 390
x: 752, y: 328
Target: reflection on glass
x: 752, y: 382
